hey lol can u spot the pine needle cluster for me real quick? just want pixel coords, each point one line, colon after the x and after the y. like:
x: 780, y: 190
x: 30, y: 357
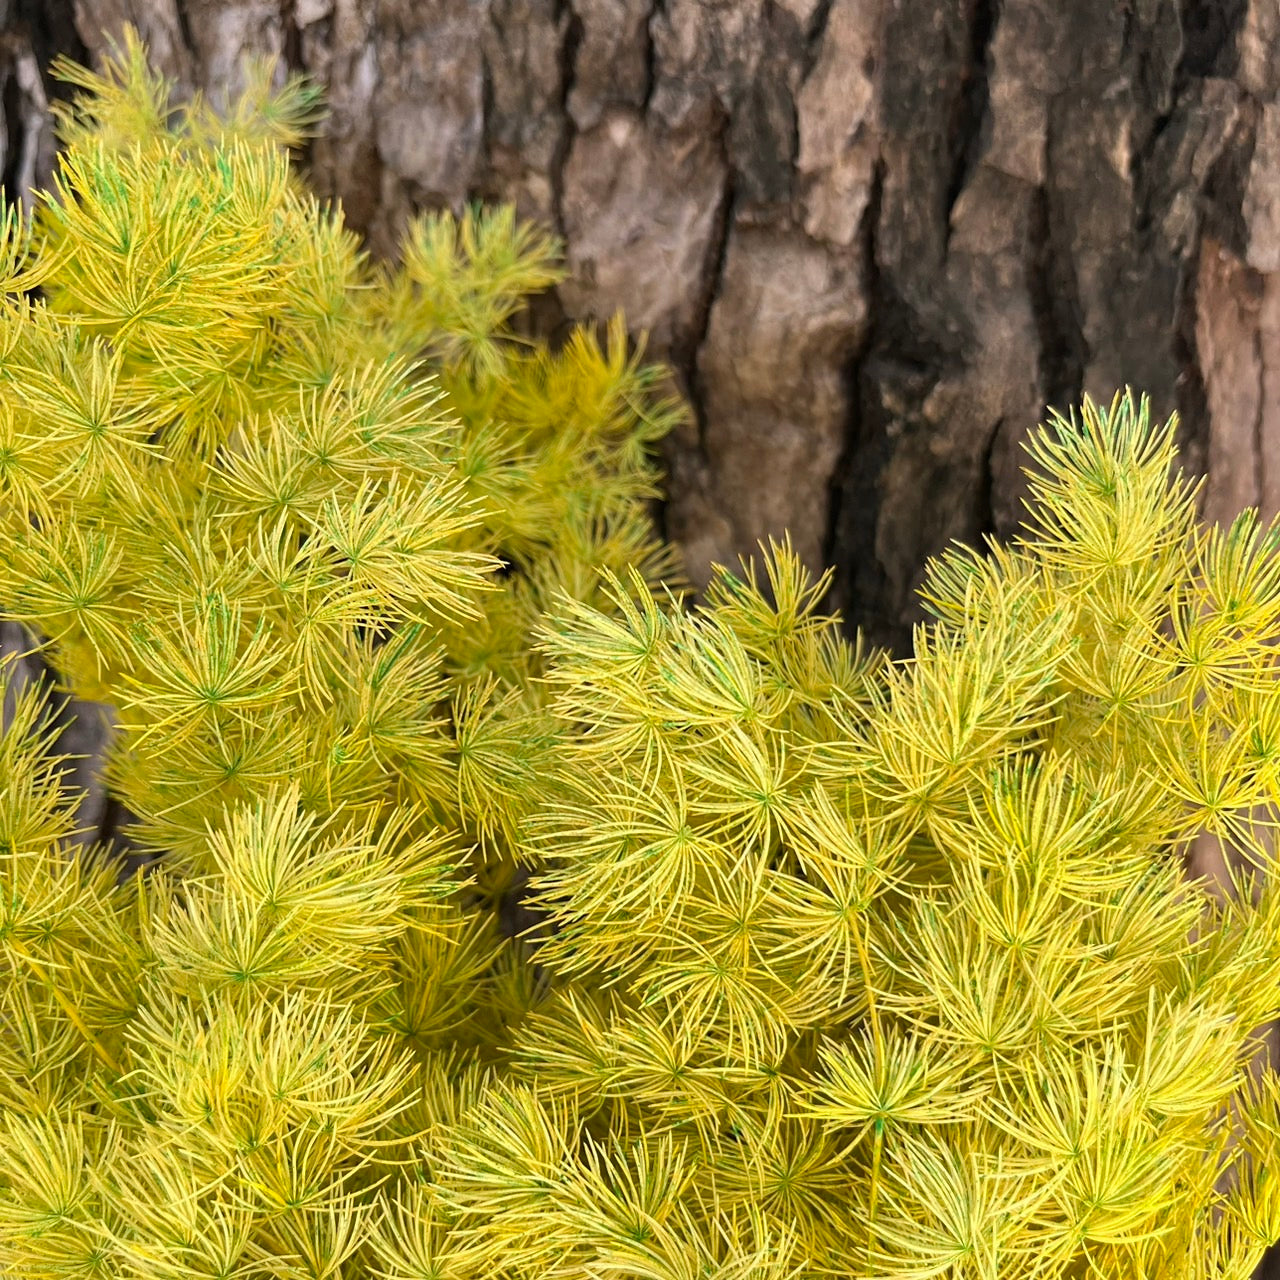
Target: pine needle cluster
x: 840, y: 966
x: 902, y: 956
x: 255, y: 488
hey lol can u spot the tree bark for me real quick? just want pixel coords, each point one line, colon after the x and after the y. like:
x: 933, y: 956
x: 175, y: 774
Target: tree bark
x: 875, y: 238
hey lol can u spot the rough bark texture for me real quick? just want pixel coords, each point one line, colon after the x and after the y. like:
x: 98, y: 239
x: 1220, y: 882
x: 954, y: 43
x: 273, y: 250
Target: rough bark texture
x: 875, y: 237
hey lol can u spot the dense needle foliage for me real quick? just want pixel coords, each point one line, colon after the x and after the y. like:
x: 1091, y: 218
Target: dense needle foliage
x: 840, y: 966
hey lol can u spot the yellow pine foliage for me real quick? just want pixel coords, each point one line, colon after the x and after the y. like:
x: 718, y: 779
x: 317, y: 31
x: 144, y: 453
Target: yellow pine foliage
x: 957, y: 1010
x: 838, y: 966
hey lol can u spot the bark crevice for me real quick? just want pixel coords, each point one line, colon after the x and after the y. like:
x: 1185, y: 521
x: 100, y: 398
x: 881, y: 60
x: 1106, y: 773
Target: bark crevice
x: 814, y: 34
x: 851, y: 502
x: 685, y: 354
x: 570, y: 41
x: 290, y: 37
x: 970, y: 111
x: 656, y: 10
x: 1064, y: 353
x: 1210, y: 33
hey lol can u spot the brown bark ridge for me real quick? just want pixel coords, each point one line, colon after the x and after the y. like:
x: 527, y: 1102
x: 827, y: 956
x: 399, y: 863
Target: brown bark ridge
x: 875, y: 238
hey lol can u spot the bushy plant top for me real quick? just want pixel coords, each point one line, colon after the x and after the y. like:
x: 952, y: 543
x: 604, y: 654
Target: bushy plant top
x: 255, y: 487
x: 838, y: 966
